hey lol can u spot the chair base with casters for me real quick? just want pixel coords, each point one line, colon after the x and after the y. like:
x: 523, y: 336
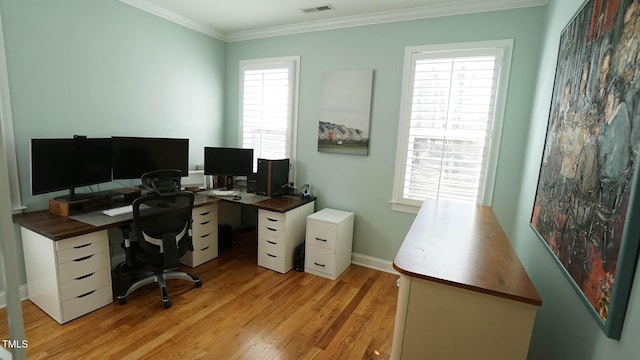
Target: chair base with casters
x: 160, y: 279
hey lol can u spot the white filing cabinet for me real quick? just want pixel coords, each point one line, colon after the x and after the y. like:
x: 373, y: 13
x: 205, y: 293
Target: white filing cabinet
x: 279, y: 234
x: 68, y: 278
x: 204, y: 231
x: 329, y: 242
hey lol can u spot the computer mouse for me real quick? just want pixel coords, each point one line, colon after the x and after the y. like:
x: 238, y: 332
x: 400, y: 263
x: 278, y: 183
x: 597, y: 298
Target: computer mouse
x: 237, y: 197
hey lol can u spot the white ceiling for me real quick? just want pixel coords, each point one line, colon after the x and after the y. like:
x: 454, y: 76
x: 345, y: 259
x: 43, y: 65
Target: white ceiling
x: 247, y: 19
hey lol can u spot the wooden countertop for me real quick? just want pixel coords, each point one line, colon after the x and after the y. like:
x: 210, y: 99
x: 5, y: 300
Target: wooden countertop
x: 463, y: 245
x: 57, y: 227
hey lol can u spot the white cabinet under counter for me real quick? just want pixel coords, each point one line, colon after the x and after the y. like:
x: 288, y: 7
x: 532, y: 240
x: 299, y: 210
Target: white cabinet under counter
x: 68, y: 278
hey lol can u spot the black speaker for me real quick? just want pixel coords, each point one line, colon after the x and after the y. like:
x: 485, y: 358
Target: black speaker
x: 272, y: 176
x: 298, y: 258
x: 251, y: 183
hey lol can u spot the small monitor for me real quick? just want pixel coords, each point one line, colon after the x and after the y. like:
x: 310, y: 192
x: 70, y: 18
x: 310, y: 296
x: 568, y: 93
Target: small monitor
x: 134, y: 156
x: 65, y: 164
x: 228, y: 161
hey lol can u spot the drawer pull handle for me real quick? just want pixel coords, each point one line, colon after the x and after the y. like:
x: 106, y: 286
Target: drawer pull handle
x: 205, y: 223
x: 271, y: 242
x: 86, y: 294
x: 322, y: 265
x: 204, y: 236
x: 270, y: 219
x: 205, y: 248
x: 83, y: 258
x: 84, y: 276
x: 272, y: 229
x: 205, y: 214
x: 82, y: 246
x: 319, y: 239
x: 271, y: 255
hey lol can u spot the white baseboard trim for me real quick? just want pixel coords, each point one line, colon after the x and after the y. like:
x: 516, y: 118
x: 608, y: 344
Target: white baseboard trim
x: 373, y: 263
x: 24, y: 295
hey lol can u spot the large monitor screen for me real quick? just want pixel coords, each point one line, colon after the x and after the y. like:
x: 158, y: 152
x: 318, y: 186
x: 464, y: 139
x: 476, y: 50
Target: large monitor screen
x: 134, y: 156
x: 64, y: 164
x: 228, y: 161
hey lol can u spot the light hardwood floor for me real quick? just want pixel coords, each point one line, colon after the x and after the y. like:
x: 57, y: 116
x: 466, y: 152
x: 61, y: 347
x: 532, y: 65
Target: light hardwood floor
x: 242, y: 311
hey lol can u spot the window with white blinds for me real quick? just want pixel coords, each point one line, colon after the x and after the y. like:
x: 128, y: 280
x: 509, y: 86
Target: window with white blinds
x: 268, y: 91
x: 450, y: 123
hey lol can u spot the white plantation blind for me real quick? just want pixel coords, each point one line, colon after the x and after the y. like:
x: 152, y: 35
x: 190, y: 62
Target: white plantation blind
x: 267, y: 103
x: 449, y: 111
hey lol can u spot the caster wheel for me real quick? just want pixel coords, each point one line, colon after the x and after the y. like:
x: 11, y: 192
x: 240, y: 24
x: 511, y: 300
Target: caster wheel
x: 122, y: 301
x: 166, y: 304
x: 198, y: 283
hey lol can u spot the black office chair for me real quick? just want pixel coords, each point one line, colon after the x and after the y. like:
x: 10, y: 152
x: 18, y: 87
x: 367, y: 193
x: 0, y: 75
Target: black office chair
x: 162, y: 223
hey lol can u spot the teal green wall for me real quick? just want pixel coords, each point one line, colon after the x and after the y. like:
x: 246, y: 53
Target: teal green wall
x: 103, y: 68
x: 563, y: 329
x: 363, y: 184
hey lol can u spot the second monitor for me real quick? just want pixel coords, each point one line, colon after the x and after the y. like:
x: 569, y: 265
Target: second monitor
x: 228, y: 162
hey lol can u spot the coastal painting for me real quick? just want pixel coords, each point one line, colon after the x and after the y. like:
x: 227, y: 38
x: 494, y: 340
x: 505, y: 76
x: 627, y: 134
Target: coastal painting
x: 345, y: 111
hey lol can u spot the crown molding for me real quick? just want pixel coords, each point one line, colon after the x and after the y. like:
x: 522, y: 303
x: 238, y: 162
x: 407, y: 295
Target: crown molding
x: 426, y: 12
x: 175, y: 18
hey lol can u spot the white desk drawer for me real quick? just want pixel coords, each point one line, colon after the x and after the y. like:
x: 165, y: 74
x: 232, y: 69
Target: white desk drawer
x: 205, y: 240
x: 271, y: 223
x: 320, y: 260
x: 209, y: 211
x: 80, y: 267
x: 86, y: 303
x: 82, y: 240
x: 271, y: 215
x: 79, y: 251
x: 199, y: 256
x: 321, y: 234
x: 76, y: 287
x: 271, y: 261
x: 271, y: 247
x: 268, y: 233
x: 207, y: 227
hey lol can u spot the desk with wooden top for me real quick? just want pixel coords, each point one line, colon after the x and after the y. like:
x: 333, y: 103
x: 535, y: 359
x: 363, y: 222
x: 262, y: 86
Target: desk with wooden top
x: 463, y: 291
x: 68, y: 262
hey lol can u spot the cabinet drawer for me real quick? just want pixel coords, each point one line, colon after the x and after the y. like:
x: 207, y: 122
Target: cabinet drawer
x: 205, y: 241
x: 207, y: 227
x: 76, y: 287
x: 81, y: 241
x: 209, y: 212
x: 78, y: 268
x: 271, y: 223
x: 268, y: 233
x: 321, y: 234
x: 271, y: 247
x: 271, y: 215
x: 199, y: 256
x: 320, y: 260
x: 86, y: 303
x: 80, y: 251
x: 271, y: 261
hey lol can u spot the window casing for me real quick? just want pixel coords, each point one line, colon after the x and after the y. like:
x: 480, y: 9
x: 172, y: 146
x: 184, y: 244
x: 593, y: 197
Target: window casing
x: 268, y: 107
x: 452, y: 104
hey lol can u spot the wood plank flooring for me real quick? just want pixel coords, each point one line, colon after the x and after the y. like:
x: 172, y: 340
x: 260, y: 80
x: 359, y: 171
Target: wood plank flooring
x: 242, y: 311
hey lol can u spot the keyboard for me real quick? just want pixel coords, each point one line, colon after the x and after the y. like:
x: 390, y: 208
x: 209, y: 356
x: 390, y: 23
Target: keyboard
x: 119, y: 210
x: 223, y: 192
x: 127, y: 209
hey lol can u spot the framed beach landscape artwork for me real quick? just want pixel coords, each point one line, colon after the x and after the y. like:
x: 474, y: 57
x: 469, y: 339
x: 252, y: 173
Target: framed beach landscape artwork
x: 345, y: 111
x: 586, y: 209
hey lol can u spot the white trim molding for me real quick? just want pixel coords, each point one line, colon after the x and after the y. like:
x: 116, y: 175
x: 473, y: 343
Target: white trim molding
x: 24, y: 295
x: 373, y: 263
x: 425, y: 12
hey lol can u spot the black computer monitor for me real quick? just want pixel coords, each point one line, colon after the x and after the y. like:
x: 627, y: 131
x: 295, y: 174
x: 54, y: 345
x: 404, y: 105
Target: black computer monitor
x: 134, y: 156
x: 65, y: 164
x: 228, y: 161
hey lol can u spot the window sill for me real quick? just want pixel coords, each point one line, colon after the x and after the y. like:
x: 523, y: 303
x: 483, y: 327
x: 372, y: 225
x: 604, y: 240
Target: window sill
x: 410, y: 209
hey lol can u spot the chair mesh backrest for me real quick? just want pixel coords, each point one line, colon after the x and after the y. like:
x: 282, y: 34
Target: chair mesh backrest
x: 160, y: 216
